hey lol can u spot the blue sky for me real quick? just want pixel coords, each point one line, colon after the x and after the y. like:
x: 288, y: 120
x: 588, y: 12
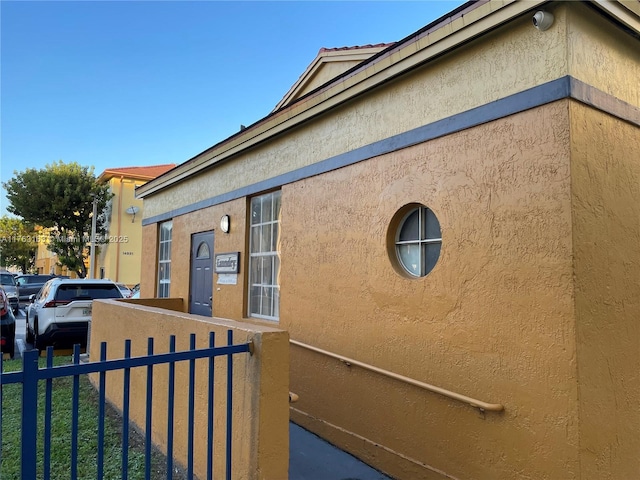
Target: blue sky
x: 126, y: 83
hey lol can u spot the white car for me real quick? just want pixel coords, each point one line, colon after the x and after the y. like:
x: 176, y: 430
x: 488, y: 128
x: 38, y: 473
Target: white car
x: 59, y: 314
x: 126, y: 291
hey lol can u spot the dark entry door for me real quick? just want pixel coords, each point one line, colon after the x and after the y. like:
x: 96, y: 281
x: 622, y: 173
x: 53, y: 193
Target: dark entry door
x: 201, y: 288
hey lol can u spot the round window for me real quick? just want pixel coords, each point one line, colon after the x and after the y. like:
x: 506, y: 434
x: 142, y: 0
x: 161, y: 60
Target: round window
x: 417, y: 240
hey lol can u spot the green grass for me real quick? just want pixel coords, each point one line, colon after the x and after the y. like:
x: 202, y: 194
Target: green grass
x: 61, y: 433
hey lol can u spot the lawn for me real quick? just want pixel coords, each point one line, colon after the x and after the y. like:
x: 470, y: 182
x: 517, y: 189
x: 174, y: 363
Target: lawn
x: 61, y: 434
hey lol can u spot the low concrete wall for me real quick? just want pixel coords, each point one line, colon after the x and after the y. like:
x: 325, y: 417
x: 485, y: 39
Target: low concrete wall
x: 260, y: 390
x: 175, y: 304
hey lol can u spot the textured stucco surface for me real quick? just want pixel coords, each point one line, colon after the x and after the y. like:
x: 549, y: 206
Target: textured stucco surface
x: 606, y: 216
x: 260, y: 388
x: 228, y: 299
x: 493, y: 320
x: 149, y: 264
x: 436, y: 91
x: 534, y: 301
x: 596, y: 48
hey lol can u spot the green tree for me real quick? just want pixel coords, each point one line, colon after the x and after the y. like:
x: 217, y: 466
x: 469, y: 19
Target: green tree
x: 60, y: 197
x: 18, y: 243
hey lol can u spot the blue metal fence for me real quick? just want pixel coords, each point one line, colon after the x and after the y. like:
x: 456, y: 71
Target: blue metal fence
x: 31, y: 375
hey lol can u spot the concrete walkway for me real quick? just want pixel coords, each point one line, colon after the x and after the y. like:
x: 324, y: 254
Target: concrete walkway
x: 312, y: 458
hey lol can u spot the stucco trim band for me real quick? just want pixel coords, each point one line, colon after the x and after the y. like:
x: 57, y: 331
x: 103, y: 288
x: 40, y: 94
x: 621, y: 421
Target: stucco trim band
x: 561, y: 88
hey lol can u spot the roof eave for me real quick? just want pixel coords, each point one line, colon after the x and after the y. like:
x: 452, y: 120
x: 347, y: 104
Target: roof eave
x: 463, y: 24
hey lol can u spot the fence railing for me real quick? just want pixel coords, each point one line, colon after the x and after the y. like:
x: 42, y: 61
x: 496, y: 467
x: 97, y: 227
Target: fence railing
x: 32, y: 374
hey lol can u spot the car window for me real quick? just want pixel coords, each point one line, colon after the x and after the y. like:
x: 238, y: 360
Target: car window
x: 7, y: 279
x: 38, y: 279
x: 87, y: 292
x: 44, y: 291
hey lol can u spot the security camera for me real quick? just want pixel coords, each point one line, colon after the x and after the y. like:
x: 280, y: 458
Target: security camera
x: 542, y: 20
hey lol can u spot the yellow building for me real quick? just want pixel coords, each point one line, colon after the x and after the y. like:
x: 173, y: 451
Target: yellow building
x: 120, y: 259
x: 450, y: 233
x: 46, y: 260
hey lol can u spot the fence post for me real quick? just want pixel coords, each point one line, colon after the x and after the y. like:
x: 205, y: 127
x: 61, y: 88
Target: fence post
x: 29, y: 413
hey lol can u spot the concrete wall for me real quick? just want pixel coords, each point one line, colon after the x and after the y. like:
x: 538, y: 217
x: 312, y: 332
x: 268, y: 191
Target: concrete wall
x: 260, y: 389
x: 605, y: 185
x: 494, y: 320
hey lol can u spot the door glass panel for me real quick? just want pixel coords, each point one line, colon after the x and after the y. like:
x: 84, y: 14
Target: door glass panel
x: 203, y: 251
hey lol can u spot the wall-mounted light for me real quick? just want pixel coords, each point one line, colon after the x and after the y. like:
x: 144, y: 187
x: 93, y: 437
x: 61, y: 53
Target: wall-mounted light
x: 225, y: 223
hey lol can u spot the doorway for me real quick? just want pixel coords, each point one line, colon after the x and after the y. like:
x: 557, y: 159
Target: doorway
x: 201, y: 286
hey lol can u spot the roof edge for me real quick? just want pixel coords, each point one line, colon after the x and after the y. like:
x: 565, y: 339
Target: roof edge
x: 456, y: 28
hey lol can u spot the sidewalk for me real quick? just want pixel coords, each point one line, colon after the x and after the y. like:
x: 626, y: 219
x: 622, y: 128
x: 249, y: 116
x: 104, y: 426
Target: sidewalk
x: 312, y: 458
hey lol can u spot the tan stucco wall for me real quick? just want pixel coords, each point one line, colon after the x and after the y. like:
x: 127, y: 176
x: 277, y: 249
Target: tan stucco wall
x: 606, y: 217
x: 493, y: 320
x: 441, y: 89
x: 596, y: 47
x: 228, y: 301
x: 260, y: 389
x: 511, y: 314
x: 148, y: 268
x: 175, y: 304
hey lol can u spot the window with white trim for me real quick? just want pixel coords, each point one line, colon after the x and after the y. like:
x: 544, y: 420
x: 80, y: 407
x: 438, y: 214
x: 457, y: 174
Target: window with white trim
x: 418, y: 241
x: 264, y: 257
x: 164, y: 259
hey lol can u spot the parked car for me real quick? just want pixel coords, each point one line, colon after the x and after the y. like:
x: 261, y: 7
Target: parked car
x: 59, y: 314
x: 126, y: 291
x: 7, y: 325
x: 30, y: 284
x: 8, y: 283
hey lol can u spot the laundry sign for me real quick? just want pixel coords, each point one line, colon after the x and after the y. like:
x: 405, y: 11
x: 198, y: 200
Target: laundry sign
x: 227, y: 262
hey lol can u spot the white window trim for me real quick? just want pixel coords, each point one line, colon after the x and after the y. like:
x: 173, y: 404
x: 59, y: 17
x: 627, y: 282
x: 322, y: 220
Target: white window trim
x: 265, y: 254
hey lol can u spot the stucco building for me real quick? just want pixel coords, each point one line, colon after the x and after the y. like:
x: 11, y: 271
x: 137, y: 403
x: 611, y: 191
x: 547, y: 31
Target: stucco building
x: 458, y: 210
x: 120, y: 259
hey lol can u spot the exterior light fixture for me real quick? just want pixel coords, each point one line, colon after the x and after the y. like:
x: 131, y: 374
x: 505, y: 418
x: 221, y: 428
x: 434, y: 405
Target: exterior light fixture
x: 225, y: 223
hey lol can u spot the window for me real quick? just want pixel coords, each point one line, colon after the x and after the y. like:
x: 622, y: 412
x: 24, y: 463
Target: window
x: 264, y: 257
x: 418, y: 240
x: 164, y: 259
x: 203, y: 251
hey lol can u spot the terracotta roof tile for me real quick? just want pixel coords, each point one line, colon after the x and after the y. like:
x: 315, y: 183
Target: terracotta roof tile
x: 146, y: 173
x: 356, y: 47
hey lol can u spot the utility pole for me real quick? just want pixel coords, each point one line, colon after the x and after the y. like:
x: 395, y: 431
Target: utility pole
x: 92, y: 253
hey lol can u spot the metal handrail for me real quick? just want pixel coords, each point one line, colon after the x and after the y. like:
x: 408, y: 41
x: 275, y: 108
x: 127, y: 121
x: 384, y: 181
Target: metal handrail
x: 482, y: 406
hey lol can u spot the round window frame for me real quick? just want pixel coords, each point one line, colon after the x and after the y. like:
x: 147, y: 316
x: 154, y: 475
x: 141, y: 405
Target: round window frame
x: 393, y: 233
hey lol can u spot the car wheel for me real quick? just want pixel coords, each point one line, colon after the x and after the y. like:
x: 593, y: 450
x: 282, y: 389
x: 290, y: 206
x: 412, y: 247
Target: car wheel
x: 37, y: 341
x: 29, y: 336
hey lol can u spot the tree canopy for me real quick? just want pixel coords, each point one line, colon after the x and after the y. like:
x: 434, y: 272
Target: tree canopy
x: 60, y: 197
x: 18, y: 243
